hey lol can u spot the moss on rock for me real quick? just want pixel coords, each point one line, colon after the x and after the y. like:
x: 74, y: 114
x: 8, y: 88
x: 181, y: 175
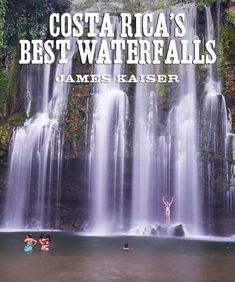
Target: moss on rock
x: 75, y: 126
x: 228, y: 66
x: 5, y: 136
x: 12, y: 86
x: 4, y: 78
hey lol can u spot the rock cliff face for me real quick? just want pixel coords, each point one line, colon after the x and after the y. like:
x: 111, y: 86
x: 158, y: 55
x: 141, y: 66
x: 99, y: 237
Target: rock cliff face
x: 228, y: 61
x: 77, y: 114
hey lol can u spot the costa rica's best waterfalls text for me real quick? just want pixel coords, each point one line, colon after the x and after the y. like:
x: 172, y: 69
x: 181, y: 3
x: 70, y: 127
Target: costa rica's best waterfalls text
x: 139, y: 50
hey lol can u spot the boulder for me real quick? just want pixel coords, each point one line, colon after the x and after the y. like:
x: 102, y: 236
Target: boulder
x: 178, y: 230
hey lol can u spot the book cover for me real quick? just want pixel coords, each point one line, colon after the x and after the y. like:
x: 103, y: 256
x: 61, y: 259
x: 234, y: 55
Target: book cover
x: 117, y: 142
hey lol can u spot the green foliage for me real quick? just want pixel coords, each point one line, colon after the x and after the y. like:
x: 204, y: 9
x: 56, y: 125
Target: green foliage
x: 17, y: 118
x: 162, y: 4
x: 202, y: 3
x: 230, y: 17
x: 2, y: 21
x: 75, y: 125
x: 5, y: 135
x: 25, y: 19
x: 133, y: 6
x: 228, y: 38
x: 3, y: 86
x: 163, y: 89
x: 228, y: 62
x: 11, y: 90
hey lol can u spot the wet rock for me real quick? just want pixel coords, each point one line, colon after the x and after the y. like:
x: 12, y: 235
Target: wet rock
x: 150, y: 230
x: 178, y: 230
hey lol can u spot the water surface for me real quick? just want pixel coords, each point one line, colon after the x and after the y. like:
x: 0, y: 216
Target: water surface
x: 79, y: 258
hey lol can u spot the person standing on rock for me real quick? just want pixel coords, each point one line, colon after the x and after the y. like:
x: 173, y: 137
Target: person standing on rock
x: 167, y: 209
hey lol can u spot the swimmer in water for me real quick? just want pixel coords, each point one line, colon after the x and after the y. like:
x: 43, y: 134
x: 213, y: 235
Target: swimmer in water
x: 48, y: 242
x: 45, y: 242
x: 126, y: 247
x: 29, y: 243
x: 42, y: 242
x: 167, y: 209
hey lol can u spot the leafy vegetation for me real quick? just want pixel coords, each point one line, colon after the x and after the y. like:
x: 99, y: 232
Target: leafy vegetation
x: 228, y: 60
x: 25, y: 19
x: 230, y: 17
x: 75, y: 125
x: 202, y: 3
x: 2, y: 21
x: 3, y: 86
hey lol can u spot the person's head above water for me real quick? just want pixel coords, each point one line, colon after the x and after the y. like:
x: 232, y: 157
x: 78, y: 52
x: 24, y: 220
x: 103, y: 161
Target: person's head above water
x: 126, y: 247
x: 48, y: 237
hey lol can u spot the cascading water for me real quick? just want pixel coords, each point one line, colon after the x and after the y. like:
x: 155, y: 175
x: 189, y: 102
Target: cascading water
x: 144, y: 153
x: 186, y: 191
x: 36, y: 155
x: 107, y: 149
x: 165, y: 158
x: 154, y: 167
x: 230, y: 157
x: 165, y: 148
x: 214, y: 124
x: 29, y: 92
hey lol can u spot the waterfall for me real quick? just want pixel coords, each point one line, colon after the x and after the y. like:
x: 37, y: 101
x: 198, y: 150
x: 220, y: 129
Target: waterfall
x: 214, y: 124
x: 185, y: 131
x: 146, y: 196
x: 167, y: 165
x: 230, y: 168
x: 172, y: 132
x: 164, y: 173
x: 36, y: 156
x: 144, y: 152
x: 29, y: 91
x: 230, y: 157
x: 107, y: 149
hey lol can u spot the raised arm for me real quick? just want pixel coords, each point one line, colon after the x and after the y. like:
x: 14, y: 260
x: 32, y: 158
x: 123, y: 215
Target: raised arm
x: 163, y: 199
x: 172, y: 199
